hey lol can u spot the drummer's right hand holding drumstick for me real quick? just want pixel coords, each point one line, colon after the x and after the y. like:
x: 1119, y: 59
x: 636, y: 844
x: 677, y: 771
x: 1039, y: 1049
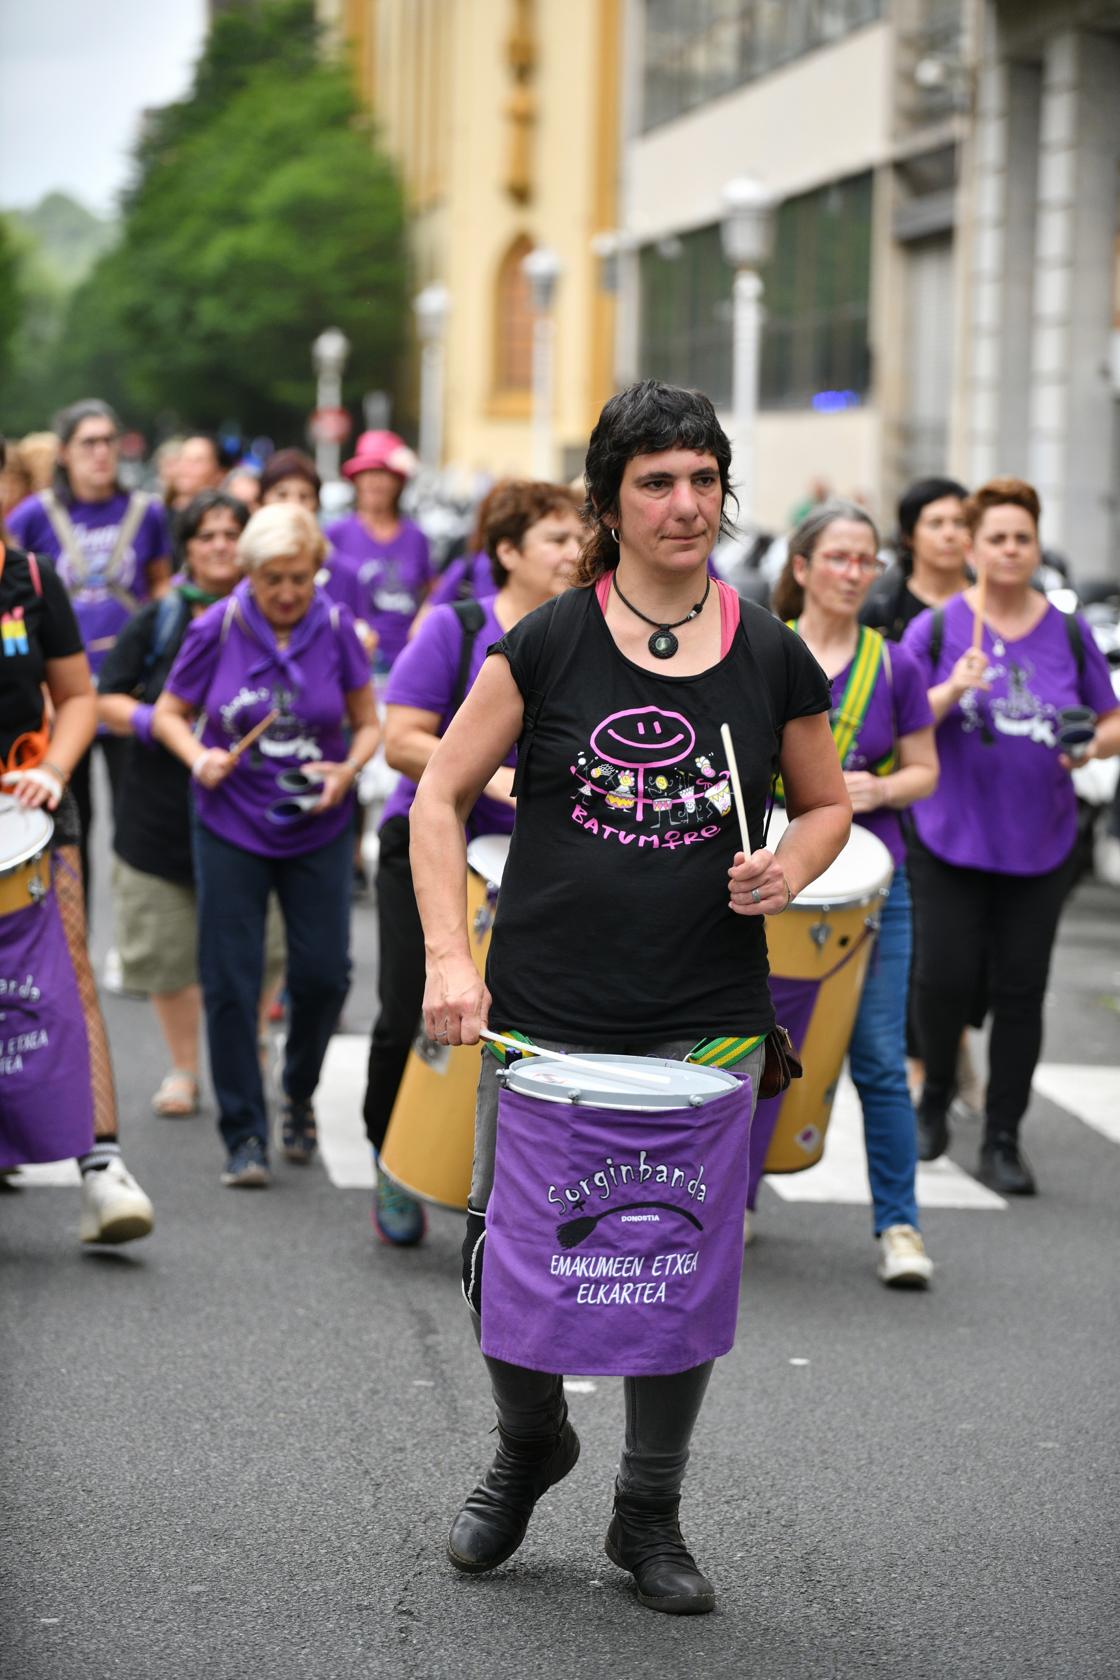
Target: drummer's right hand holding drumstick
x: 456, y: 1002
x: 758, y: 885
x: 212, y: 766
x: 970, y: 671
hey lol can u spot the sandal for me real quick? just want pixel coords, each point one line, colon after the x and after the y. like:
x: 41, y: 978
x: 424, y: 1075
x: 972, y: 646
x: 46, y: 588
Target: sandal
x: 177, y: 1097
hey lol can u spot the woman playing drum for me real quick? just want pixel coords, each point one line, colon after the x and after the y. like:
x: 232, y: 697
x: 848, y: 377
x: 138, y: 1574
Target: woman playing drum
x: 532, y: 534
x: 1008, y: 675
x: 56, y: 1079
x: 883, y: 729
x: 629, y: 920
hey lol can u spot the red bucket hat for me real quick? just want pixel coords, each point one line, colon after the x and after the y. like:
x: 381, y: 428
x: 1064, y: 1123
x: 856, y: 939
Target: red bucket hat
x: 381, y: 451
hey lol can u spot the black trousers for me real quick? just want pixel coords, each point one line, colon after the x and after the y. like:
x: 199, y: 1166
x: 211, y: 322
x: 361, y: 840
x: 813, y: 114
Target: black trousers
x: 400, y: 981
x: 116, y: 749
x: 981, y: 929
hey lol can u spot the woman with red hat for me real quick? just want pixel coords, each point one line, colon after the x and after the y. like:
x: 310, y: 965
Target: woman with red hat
x: 388, y: 554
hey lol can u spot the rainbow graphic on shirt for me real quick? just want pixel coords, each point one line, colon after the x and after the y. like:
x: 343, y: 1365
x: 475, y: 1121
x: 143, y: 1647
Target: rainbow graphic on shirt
x: 14, y: 633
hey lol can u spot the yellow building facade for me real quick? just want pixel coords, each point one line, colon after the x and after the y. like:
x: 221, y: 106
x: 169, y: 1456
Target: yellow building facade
x: 503, y: 118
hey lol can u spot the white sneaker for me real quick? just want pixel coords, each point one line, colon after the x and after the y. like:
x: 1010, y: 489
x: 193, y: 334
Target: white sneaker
x: 114, y: 1209
x: 903, y: 1261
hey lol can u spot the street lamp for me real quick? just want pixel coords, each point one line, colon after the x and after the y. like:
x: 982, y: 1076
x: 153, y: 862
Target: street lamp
x: 328, y: 357
x: 542, y: 270
x: 430, y: 308
x: 747, y: 233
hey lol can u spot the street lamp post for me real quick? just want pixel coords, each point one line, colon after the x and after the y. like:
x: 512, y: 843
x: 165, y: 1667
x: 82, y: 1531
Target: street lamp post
x: 430, y: 308
x: 328, y: 356
x: 542, y: 270
x: 746, y: 232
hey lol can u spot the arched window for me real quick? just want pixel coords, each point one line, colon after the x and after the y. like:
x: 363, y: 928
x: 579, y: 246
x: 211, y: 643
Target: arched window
x: 513, y: 323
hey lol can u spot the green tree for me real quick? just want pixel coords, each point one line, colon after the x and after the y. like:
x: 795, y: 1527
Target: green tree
x: 261, y: 213
x: 11, y: 300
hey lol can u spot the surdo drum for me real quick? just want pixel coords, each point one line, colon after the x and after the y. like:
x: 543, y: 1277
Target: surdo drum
x: 819, y: 950
x: 429, y: 1145
x: 25, y: 865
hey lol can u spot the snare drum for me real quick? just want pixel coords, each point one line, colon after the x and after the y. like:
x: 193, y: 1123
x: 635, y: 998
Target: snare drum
x: 614, y: 1230
x: 819, y: 950
x: 429, y: 1144
x: 25, y: 865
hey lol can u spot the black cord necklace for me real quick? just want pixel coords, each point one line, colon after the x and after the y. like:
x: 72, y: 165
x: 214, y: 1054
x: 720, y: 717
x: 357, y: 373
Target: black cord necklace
x: 663, y: 644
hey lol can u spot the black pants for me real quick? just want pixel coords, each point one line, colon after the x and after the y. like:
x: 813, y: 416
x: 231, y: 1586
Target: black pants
x: 977, y: 929
x: 400, y: 981
x: 116, y: 749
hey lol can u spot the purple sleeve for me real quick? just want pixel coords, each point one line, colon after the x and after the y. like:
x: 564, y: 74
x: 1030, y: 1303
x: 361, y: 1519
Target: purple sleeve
x: 915, y: 641
x: 423, y: 674
x: 24, y: 523
x: 153, y: 540
x: 190, y: 676
x: 342, y: 583
x: 1096, y: 679
x: 353, y: 660
x: 423, y: 556
x: 911, y: 702
x: 447, y: 584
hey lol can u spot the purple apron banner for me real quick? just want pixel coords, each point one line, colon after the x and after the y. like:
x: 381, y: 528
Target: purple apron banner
x: 614, y: 1238
x: 46, y: 1100
x: 794, y: 1002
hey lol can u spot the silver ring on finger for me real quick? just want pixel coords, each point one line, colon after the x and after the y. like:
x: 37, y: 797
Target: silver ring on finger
x: 756, y: 896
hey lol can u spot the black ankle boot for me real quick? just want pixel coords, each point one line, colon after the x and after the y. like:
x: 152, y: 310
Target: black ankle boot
x: 1003, y: 1167
x: 492, y: 1523
x: 933, y: 1131
x: 645, y: 1538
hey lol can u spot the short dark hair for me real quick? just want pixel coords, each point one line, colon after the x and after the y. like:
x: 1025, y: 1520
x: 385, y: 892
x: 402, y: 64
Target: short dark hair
x: 513, y: 507
x: 910, y: 505
x: 289, y: 463
x: 191, y: 517
x: 643, y: 420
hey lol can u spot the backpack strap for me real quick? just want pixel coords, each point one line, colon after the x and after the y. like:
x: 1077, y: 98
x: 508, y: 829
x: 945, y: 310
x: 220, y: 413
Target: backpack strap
x: 36, y: 574
x: 564, y: 607
x: 63, y: 527
x: 138, y: 504
x: 765, y: 645
x: 1076, y: 643
x: 936, y: 638
x: 171, y: 610
x: 471, y: 619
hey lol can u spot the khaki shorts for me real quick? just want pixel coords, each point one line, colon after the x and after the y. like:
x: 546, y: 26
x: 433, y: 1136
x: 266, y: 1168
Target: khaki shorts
x: 157, y: 933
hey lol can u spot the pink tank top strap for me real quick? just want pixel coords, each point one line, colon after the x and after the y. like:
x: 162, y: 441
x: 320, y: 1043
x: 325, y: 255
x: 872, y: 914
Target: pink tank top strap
x: 729, y: 606
x: 603, y: 589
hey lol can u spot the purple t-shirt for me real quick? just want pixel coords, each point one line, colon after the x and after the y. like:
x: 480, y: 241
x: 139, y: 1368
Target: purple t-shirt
x: 230, y: 669
x: 474, y: 570
x: 391, y: 580
x: 902, y: 693
x: 101, y: 615
x: 1003, y: 802
x: 424, y: 677
x: 338, y: 576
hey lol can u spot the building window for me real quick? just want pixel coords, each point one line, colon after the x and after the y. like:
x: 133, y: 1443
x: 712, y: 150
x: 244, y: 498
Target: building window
x: 513, y: 322
x: 696, y: 50
x: 817, y: 290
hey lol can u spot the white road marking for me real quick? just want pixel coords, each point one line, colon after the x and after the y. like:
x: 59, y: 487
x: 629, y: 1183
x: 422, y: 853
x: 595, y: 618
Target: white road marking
x: 578, y: 1385
x: 343, y: 1144
x: 1090, y: 1094
x: 841, y: 1176
x: 49, y: 1175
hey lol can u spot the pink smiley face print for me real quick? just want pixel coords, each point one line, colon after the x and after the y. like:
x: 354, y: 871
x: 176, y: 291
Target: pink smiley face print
x: 645, y: 738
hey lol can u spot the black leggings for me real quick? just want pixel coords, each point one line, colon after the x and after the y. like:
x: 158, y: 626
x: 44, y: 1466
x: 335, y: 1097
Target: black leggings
x: 400, y: 981
x: 977, y: 930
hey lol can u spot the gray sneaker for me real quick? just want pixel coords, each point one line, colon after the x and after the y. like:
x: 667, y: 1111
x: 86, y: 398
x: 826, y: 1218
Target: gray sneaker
x: 247, y: 1167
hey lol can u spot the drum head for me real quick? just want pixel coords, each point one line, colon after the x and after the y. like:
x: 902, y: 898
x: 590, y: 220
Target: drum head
x: 487, y: 856
x: 24, y: 834
x: 681, y: 1084
x: 857, y: 876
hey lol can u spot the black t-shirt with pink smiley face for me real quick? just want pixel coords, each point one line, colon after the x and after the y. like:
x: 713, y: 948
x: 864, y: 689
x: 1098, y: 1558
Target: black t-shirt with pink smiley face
x: 613, y: 924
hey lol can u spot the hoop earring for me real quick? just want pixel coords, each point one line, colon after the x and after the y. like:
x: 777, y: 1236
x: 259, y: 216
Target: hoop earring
x: 614, y: 531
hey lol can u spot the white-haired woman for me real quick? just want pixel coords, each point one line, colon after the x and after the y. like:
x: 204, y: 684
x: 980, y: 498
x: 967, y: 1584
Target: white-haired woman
x: 272, y: 815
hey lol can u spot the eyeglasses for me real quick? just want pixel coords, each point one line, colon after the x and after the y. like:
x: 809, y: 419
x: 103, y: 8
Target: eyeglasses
x: 869, y: 565
x: 103, y: 440
x: 216, y: 536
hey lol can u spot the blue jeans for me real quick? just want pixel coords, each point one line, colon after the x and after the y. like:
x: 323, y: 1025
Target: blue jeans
x: 314, y: 894
x: 877, y: 1058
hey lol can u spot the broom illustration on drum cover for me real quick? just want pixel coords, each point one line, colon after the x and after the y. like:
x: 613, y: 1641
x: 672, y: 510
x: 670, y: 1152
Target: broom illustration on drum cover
x: 578, y: 1230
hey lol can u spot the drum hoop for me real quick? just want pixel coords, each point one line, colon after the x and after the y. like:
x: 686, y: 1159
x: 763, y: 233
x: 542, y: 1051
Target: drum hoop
x: 712, y: 1083
x: 30, y: 855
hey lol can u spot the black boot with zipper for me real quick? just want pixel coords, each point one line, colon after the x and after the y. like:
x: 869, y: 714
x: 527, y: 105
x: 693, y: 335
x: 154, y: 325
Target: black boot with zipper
x: 645, y: 1538
x: 493, y: 1521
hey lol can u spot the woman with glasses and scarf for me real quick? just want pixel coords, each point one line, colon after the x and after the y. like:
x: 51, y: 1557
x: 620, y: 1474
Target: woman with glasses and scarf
x: 272, y: 678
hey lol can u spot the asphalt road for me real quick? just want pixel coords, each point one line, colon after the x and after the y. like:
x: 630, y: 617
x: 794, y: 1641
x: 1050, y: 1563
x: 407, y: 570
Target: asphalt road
x: 233, y: 1450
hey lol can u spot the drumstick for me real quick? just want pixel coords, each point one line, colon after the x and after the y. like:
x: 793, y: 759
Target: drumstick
x: 981, y: 606
x: 257, y: 729
x: 609, y: 1071
x: 736, y: 787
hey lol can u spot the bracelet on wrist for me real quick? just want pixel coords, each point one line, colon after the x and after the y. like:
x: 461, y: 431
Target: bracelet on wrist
x: 199, y: 762
x: 354, y: 768
x: 56, y: 770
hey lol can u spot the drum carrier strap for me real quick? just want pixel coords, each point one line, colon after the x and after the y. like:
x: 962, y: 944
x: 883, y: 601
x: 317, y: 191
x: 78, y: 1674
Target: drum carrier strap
x: 63, y: 527
x: 848, y: 718
x: 471, y: 618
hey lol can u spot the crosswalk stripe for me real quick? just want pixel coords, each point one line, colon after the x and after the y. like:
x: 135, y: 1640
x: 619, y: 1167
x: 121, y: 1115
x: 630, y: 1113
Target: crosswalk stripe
x: 841, y: 1176
x: 343, y: 1145
x: 1091, y: 1094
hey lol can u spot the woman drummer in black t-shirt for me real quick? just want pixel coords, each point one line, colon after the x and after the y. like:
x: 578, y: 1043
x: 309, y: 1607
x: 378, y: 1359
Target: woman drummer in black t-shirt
x: 42, y: 650
x: 628, y: 921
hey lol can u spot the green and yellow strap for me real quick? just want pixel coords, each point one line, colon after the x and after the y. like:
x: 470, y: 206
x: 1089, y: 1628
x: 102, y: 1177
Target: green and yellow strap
x: 723, y: 1052
x: 849, y: 716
